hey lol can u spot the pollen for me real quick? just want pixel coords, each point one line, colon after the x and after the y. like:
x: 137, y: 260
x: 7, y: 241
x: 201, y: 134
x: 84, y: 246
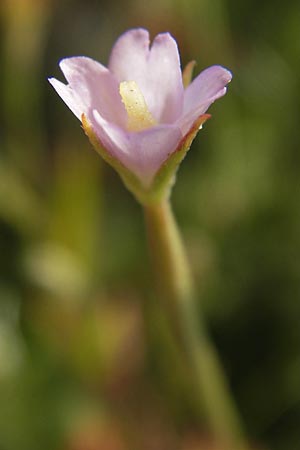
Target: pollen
x: 139, y: 116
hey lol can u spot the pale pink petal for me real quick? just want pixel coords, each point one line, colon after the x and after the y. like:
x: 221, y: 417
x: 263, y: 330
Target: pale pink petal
x: 156, y: 71
x: 144, y: 152
x: 207, y: 87
x: 154, y: 146
x: 129, y: 56
x: 164, y: 79
x: 93, y: 87
x: 69, y: 97
x: 187, y: 120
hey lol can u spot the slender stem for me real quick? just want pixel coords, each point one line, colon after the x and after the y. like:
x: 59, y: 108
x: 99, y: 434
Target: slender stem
x: 175, y: 287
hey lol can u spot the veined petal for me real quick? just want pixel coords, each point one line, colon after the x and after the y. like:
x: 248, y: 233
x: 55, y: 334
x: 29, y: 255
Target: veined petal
x: 156, y: 71
x: 92, y: 86
x: 141, y: 152
x: 206, y: 86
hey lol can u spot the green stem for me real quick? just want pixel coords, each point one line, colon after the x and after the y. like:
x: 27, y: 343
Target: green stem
x: 175, y: 286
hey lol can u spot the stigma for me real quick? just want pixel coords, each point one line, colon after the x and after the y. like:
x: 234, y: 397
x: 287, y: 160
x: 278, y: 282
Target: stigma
x: 138, y: 114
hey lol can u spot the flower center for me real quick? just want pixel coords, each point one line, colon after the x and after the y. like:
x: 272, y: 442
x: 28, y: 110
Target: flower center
x: 139, y: 116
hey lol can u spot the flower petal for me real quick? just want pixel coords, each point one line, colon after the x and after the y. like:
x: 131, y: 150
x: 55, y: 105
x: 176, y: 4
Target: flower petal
x: 156, y: 71
x: 201, y: 93
x: 165, y: 79
x: 205, y: 86
x: 128, y: 58
x: 91, y: 86
x: 186, y: 121
x: 69, y: 97
x: 144, y: 152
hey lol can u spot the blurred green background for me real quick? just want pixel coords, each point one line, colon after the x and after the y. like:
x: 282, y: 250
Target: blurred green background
x: 79, y: 370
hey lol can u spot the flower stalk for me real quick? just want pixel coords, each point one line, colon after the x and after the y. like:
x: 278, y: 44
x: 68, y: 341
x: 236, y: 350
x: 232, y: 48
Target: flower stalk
x: 175, y: 287
x: 141, y: 113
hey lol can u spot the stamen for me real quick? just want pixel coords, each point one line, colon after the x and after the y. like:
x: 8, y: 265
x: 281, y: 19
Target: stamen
x: 139, y: 116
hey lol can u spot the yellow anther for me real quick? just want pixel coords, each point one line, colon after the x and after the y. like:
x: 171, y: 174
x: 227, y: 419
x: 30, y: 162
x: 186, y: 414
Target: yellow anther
x: 139, y: 116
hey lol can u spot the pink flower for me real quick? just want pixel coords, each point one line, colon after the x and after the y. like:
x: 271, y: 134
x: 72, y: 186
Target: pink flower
x: 138, y: 108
